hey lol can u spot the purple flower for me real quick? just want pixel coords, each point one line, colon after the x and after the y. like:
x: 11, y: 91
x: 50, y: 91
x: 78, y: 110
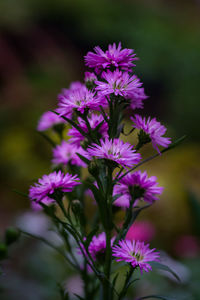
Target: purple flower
x: 76, y: 85
x: 97, y: 247
x: 113, y: 57
x: 66, y: 153
x: 94, y: 120
x: 77, y: 99
x: 140, y: 186
x: 135, y: 253
x: 48, y: 184
x: 121, y: 84
x: 115, y: 150
x: 153, y: 129
x: 48, y: 120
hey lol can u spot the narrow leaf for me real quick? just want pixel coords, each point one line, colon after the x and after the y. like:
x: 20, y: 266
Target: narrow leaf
x: 116, y: 197
x: 131, y: 282
x: 71, y: 123
x: 174, y: 144
x: 104, y: 114
x: 115, y: 279
x: 156, y: 297
x: 20, y: 193
x: 47, y: 138
x: 79, y: 297
x: 164, y: 268
x: 83, y: 158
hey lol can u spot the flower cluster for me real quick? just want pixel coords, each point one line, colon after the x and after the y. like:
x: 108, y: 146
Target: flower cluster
x: 94, y: 154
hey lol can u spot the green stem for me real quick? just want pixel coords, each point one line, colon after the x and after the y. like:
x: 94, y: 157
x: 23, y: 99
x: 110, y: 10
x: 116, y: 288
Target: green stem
x: 152, y: 157
x: 108, y: 228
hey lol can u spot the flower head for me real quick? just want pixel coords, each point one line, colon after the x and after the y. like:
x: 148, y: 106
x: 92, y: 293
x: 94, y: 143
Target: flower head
x: 77, y: 99
x: 136, y: 253
x: 122, y: 84
x: 94, y: 120
x: 67, y: 153
x: 113, y: 57
x: 97, y: 247
x: 115, y: 150
x: 153, y: 130
x: 139, y: 186
x: 48, y: 120
x: 46, y: 187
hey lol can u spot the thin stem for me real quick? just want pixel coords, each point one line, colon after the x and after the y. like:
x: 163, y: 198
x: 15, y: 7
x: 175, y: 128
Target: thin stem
x: 108, y: 228
x: 152, y: 157
x: 47, y: 138
x: 40, y: 238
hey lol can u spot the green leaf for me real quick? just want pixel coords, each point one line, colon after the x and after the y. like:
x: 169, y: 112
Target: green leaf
x: 71, y: 123
x: 20, y: 193
x: 156, y: 297
x: 132, y: 281
x: 84, y: 159
x: 98, y: 127
x: 47, y: 138
x: 174, y: 144
x: 115, y: 279
x: 79, y: 297
x: 116, y: 197
x: 97, y: 193
x: 113, y: 285
x: 104, y: 114
x: 177, y: 142
x: 63, y: 294
x: 164, y: 268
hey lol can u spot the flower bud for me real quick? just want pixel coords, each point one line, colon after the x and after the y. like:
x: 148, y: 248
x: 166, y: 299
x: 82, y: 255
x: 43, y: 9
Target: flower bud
x: 11, y: 235
x: 143, y: 138
x: 77, y: 207
x: 93, y: 168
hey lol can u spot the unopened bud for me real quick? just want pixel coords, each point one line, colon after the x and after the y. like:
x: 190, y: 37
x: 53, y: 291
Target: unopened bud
x: 93, y: 168
x: 143, y: 138
x: 77, y: 207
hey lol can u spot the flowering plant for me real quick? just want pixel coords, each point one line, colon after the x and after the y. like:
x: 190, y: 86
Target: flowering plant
x: 94, y: 160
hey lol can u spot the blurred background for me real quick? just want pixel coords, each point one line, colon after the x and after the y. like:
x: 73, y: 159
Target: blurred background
x: 42, y: 44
